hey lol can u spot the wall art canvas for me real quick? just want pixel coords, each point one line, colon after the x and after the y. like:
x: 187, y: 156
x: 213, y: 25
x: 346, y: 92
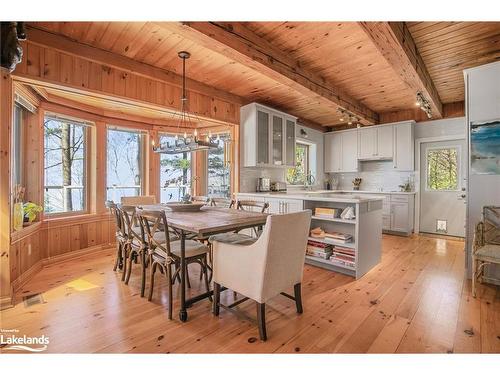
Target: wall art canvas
x: 485, y: 147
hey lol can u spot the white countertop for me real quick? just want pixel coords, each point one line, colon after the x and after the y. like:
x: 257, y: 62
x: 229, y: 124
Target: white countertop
x: 320, y: 195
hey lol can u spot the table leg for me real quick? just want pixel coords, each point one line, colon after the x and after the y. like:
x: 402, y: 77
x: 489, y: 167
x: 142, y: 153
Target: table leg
x: 183, y: 313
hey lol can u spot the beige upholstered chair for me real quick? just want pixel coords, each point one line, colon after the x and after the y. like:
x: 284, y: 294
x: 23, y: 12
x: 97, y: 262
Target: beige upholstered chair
x: 266, y: 268
x: 138, y: 200
x: 486, y: 246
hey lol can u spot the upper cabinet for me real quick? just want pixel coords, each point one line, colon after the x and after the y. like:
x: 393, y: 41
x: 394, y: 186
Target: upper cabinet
x: 404, y: 149
x: 345, y: 149
x: 267, y: 137
x: 341, y: 150
x: 375, y: 143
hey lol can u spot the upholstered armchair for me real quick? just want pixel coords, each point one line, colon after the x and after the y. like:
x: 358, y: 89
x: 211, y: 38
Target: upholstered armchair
x: 265, y: 268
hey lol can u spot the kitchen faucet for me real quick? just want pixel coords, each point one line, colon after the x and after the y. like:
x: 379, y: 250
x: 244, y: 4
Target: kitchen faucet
x: 309, y: 181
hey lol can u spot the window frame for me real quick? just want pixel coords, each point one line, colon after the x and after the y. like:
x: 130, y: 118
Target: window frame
x: 228, y: 151
x: 19, y: 149
x: 459, y: 169
x: 307, y: 169
x: 143, y: 147
x: 191, y: 166
x: 87, y: 152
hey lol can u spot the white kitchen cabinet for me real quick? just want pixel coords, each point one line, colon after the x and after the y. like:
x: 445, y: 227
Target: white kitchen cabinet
x: 341, y: 149
x: 267, y: 137
x: 399, y: 217
x: 375, y: 143
x: 277, y: 205
x: 404, y: 148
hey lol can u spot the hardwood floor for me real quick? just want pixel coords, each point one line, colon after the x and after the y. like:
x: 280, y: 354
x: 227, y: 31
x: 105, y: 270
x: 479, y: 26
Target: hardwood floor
x: 415, y: 301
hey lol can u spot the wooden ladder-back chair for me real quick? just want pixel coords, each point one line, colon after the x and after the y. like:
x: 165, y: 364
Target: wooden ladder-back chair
x: 200, y: 198
x: 138, y: 200
x: 120, y: 235
x: 222, y: 202
x: 136, y: 243
x: 164, y: 253
x: 486, y: 246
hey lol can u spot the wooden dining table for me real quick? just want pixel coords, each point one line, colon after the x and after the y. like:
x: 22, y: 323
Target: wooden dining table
x: 202, y: 224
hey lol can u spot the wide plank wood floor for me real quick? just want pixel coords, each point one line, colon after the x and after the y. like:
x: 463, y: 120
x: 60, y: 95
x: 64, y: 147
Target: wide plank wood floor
x: 415, y: 301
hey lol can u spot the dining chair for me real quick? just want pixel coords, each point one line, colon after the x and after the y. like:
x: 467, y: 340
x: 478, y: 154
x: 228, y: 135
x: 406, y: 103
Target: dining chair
x: 222, y: 202
x: 120, y: 235
x: 138, y: 200
x: 486, y: 246
x: 200, y: 198
x: 136, y: 245
x: 165, y: 253
x: 265, y: 268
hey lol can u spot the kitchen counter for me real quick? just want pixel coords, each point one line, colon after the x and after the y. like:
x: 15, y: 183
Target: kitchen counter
x: 319, y: 196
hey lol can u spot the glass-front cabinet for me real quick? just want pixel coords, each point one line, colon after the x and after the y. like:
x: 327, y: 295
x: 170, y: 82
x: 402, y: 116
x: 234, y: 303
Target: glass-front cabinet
x: 278, y: 137
x: 267, y: 137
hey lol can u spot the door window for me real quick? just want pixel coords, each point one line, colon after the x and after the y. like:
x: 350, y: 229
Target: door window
x: 442, y: 169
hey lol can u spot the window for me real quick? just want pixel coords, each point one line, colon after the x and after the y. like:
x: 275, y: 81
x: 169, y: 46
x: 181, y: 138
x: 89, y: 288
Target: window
x: 17, y: 144
x: 442, y: 169
x: 175, y: 173
x: 297, y: 174
x: 219, y: 170
x: 124, y: 163
x: 65, y: 165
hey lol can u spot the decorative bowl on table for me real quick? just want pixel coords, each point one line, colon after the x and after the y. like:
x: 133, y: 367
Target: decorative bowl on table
x: 185, y: 206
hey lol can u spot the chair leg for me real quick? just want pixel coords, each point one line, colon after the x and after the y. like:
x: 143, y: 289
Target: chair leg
x: 152, y: 281
x: 474, y: 276
x: 170, y: 294
x: 261, y: 318
x: 129, y: 271
x: 205, y: 274
x: 143, y: 279
x: 118, y: 255
x: 187, y: 276
x: 124, y: 259
x: 298, y: 297
x: 216, y: 300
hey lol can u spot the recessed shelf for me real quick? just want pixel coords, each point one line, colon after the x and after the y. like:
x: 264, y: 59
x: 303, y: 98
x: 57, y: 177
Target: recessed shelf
x: 328, y: 241
x: 336, y: 220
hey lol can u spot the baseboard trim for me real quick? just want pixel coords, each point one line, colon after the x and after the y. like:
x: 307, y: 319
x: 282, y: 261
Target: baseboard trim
x: 18, y: 283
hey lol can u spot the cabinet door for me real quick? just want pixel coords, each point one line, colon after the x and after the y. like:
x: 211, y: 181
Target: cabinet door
x: 293, y: 205
x: 399, y: 217
x: 278, y: 140
x: 349, y: 151
x: 290, y: 143
x: 385, y: 139
x: 367, y: 139
x: 262, y: 137
x: 333, y: 152
x: 403, y: 147
x: 274, y: 205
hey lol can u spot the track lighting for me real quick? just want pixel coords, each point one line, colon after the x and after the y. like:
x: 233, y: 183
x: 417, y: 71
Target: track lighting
x: 424, y: 104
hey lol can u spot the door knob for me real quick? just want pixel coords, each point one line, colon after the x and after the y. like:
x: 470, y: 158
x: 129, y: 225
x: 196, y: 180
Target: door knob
x: 462, y: 196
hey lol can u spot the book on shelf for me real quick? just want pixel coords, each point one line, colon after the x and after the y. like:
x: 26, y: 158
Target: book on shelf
x: 344, y: 250
x: 342, y: 263
x: 327, y: 212
x: 337, y: 236
x: 318, y: 244
x: 321, y: 255
x: 346, y: 258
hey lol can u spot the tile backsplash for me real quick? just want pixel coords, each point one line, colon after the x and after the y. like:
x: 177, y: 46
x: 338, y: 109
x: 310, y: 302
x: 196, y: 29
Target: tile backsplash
x: 249, y: 176
x: 376, y: 175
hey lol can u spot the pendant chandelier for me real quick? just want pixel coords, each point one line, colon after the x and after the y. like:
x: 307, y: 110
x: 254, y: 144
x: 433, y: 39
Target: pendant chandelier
x: 184, y: 142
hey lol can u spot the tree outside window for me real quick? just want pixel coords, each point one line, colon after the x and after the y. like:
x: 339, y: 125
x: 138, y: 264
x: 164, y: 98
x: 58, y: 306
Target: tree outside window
x: 442, y: 169
x: 219, y: 172
x: 175, y: 173
x: 64, y: 164
x: 297, y: 174
x: 124, y: 163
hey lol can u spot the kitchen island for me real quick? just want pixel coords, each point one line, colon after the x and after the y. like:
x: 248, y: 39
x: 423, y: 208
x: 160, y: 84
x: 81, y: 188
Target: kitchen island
x: 363, y: 232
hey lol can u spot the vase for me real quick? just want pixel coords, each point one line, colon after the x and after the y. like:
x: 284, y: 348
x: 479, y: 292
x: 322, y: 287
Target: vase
x: 18, y: 216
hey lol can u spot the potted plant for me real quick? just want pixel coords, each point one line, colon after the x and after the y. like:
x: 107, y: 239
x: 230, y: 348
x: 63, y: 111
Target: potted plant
x: 30, y: 211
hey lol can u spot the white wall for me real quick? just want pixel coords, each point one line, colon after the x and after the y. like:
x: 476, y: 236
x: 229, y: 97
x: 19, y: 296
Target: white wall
x: 249, y: 176
x: 482, y: 103
x: 437, y: 128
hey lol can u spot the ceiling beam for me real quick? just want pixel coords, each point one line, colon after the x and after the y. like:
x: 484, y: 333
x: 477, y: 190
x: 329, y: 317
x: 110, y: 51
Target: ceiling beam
x: 68, y: 46
x: 395, y: 43
x: 235, y: 41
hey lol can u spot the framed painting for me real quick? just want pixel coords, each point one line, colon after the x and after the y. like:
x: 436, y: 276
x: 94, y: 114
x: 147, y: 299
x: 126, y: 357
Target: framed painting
x: 485, y: 147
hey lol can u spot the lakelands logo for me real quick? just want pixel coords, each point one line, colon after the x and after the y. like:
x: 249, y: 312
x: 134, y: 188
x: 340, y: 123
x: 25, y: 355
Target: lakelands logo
x: 11, y: 340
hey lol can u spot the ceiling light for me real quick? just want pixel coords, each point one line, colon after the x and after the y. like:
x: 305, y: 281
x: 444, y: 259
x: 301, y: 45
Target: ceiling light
x: 424, y: 104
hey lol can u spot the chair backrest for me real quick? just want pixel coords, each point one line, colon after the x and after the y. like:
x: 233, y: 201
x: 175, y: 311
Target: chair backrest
x: 154, y: 224
x: 249, y: 205
x: 138, y: 200
x: 222, y: 202
x: 282, y: 248
x: 200, y: 198
x: 131, y: 223
x: 491, y: 228
x: 117, y: 214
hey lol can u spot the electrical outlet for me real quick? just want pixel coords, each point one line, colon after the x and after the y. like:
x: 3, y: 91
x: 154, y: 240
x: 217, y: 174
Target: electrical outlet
x: 29, y: 249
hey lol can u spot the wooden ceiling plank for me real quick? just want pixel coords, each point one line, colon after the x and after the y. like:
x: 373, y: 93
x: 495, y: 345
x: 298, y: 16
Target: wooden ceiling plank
x: 63, y: 44
x: 240, y: 44
x: 394, y: 41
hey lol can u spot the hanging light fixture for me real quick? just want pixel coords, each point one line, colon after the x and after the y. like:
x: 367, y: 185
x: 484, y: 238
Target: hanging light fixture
x: 185, y: 143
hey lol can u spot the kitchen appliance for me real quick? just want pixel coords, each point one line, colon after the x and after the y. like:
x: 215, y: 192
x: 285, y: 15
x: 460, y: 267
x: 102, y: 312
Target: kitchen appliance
x: 278, y: 186
x: 263, y: 184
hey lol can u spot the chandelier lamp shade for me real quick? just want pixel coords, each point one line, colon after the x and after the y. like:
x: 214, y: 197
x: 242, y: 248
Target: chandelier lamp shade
x: 184, y: 141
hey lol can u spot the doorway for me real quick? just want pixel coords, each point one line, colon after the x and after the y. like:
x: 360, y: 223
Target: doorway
x: 443, y: 166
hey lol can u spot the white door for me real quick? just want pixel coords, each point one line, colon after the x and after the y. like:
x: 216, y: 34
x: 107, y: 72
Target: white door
x: 443, y: 187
